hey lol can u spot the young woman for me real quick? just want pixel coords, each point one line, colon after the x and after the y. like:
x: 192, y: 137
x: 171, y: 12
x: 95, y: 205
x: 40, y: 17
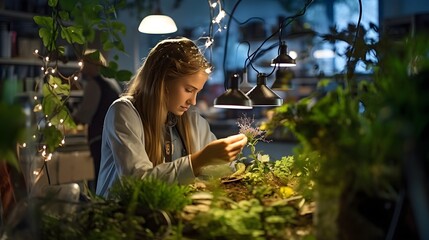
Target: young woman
x: 155, y: 130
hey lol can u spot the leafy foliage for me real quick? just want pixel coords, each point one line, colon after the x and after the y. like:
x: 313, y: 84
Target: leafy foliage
x: 12, y: 122
x: 150, y: 194
x: 353, y: 139
x: 75, y: 26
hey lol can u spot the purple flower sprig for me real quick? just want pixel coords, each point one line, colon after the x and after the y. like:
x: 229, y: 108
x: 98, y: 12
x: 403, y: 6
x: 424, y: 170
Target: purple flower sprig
x: 253, y: 133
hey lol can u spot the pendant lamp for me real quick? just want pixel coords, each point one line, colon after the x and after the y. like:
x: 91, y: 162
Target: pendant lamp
x: 157, y: 23
x: 233, y: 97
x: 245, y: 86
x: 263, y: 96
x: 283, y: 59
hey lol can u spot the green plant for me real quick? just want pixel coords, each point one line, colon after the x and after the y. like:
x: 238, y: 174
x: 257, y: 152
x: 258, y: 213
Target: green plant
x: 150, y: 193
x: 135, y: 209
x: 352, y: 139
x: 73, y: 27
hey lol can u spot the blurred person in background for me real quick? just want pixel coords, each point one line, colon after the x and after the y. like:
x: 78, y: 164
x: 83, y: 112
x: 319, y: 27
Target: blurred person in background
x: 98, y: 93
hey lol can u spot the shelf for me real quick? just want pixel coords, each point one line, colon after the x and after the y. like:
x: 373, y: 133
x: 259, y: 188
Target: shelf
x: 20, y: 61
x: 34, y: 62
x: 16, y: 14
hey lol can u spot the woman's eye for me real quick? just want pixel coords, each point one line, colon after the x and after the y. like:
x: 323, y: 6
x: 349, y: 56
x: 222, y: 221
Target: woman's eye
x: 188, y: 90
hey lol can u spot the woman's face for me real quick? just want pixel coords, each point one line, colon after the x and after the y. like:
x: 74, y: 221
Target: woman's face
x: 182, y: 93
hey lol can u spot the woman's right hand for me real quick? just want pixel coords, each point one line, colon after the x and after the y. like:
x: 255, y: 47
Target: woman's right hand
x: 220, y: 151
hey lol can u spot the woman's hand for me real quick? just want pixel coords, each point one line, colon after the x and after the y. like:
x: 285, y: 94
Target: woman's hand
x: 220, y: 151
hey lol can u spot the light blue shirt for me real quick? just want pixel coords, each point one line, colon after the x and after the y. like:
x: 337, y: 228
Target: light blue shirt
x: 123, y: 148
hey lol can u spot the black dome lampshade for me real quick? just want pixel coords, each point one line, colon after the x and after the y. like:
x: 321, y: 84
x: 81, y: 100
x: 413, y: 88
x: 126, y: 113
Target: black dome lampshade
x: 233, y: 97
x: 263, y: 96
x: 283, y: 59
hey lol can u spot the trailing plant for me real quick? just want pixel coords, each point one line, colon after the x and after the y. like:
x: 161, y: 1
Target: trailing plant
x: 72, y: 28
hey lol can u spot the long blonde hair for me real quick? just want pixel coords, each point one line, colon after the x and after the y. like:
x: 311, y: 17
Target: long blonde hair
x: 169, y: 60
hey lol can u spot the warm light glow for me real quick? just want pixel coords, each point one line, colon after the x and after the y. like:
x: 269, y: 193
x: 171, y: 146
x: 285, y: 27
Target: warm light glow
x: 36, y: 51
x: 324, y: 53
x: 75, y: 78
x: 233, y: 106
x: 293, y: 54
x: 157, y: 24
x: 80, y: 63
x: 220, y: 16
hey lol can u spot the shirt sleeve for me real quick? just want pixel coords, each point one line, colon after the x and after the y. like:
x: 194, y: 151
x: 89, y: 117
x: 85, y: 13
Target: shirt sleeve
x: 201, y: 132
x: 91, y: 98
x: 124, y: 138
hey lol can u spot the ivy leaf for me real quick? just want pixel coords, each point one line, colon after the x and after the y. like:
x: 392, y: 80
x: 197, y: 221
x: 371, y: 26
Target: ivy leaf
x: 61, y: 88
x: 50, y: 102
x: 64, y: 15
x: 123, y: 75
x: 62, y: 117
x: 52, y: 137
x: 73, y: 34
x: 46, y: 32
x: 52, y: 3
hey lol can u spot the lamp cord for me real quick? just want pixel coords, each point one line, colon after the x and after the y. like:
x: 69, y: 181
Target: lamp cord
x: 226, y: 43
x: 279, y: 31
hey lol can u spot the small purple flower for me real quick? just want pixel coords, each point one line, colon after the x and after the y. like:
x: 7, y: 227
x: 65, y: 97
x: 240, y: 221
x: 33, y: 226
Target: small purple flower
x: 253, y: 134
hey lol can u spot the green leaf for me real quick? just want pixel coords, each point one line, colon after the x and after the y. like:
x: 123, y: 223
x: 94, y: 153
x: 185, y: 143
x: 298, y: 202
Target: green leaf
x: 123, y: 75
x: 52, y: 137
x: 52, y: 3
x: 12, y: 128
x: 46, y: 36
x: 50, y: 103
x: 58, y: 87
x: 64, y: 15
x: 43, y: 21
x: 73, y: 34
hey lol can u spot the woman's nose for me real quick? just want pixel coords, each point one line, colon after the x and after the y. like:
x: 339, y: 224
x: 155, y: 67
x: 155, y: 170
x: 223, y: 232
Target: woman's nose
x: 193, y: 100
